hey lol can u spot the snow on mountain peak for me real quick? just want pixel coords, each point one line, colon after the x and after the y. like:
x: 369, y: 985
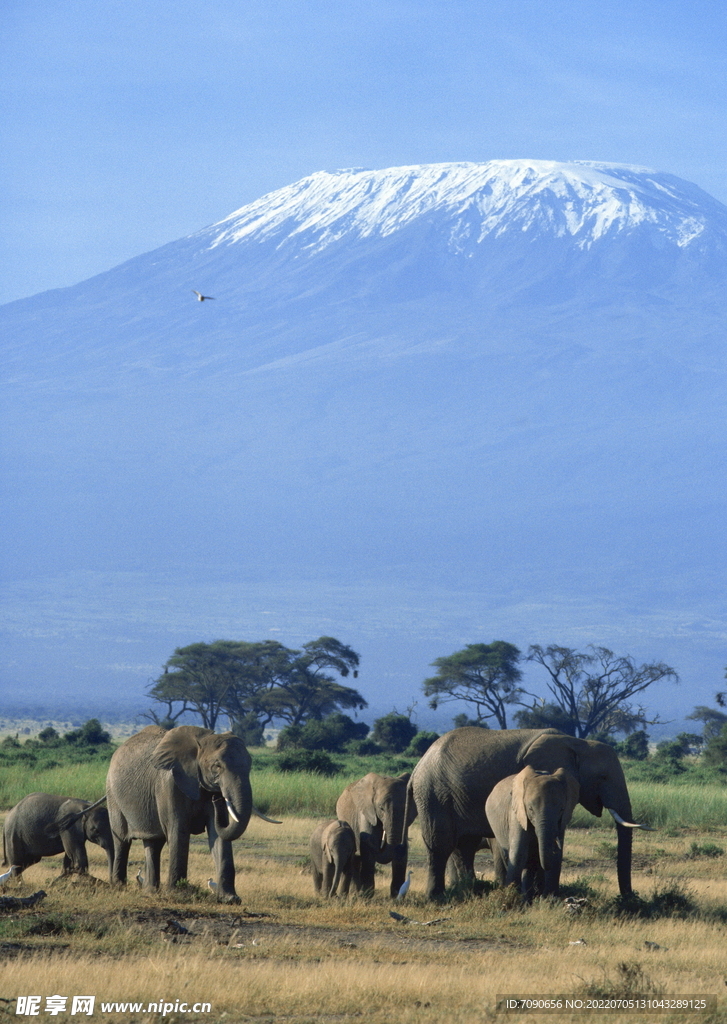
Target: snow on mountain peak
x: 583, y: 199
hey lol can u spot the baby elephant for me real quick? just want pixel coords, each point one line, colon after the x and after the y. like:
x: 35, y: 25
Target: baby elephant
x: 332, y: 849
x: 43, y: 824
x: 528, y: 814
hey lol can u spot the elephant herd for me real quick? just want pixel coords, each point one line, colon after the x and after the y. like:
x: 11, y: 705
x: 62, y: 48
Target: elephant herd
x: 513, y: 789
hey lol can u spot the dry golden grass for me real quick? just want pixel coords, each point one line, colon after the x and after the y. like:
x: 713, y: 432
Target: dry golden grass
x: 308, y: 959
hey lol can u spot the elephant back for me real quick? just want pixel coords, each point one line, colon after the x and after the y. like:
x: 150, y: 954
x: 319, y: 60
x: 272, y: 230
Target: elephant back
x: 454, y: 778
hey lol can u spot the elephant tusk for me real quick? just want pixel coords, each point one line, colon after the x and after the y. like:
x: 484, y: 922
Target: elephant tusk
x: 628, y: 824
x: 231, y: 812
x: 265, y: 817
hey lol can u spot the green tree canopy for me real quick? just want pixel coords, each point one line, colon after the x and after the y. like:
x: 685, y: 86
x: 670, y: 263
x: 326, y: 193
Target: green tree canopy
x: 393, y: 732
x: 255, y: 682
x: 712, y: 719
x: 482, y: 675
x: 594, y: 688
x: 308, y: 691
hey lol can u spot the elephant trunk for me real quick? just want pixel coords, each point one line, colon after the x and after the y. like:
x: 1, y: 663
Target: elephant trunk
x: 393, y: 840
x: 550, y: 852
x: 232, y: 808
x: 550, y: 857
x: 623, y: 859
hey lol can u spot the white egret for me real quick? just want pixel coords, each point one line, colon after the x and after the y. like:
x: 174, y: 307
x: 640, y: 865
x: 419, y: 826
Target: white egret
x: 405, y: 887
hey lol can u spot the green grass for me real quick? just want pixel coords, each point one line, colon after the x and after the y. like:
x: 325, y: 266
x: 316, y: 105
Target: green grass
x: 668, y: 806
x: 662, y: 805
x: 85, y: 781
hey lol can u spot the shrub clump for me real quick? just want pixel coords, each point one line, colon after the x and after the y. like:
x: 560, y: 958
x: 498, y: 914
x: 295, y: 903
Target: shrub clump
x: 697, y: 850
x: 420, y: 743
x: 393, y: 732
x: 669, y: 900
x: 333, y: 733
x: 316, y: 761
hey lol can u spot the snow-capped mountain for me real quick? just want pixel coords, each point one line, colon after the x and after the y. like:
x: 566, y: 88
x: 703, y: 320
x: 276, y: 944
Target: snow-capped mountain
x: 582, y: 200
x: 428, y: 406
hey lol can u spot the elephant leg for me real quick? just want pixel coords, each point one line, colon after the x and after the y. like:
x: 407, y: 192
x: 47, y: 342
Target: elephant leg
x: 121, y: 860
x: 532, y: 875
x: 368, y: 875
x: 356, y: 872
x: 346, y: 875
x: 457, y: 868
x: 110, y: 859
x: 368, y: 865
x: 178, y: 855
x: 75, y: 860
x: 317, y: 875
x: 467, y: 847
x: 152, y: 862
x: 398, y: 872
x: 500, y: 864
x: 224, y: 861
x: 330, y: 879
x: 438, y: 857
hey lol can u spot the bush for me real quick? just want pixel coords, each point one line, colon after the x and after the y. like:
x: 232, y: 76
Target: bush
x: 421, y: 743
x: 49, y: 736
x: 363, y: 748
x: 308, y: 761
x: 332, y: 733
x: 91, y: 734
x: 635, y: 746
x: 393, y: 732
x: 697, y: 850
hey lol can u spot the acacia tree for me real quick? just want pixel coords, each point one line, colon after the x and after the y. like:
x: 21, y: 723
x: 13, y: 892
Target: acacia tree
x: 483, y: 675
x: 594, y: 688
x: 224, y: 677
x: 308, y: 691
x: 255, y: 682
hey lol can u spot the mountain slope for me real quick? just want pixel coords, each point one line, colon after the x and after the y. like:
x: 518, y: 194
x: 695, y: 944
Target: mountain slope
x: 493, y: 386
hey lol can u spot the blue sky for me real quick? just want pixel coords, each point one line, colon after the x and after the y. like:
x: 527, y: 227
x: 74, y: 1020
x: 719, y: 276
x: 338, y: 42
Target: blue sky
x: 128, y: 124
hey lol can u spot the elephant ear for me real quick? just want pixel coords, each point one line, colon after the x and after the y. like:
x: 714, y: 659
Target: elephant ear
x: 177, y: 752
x: 573, y: 790
x: 518, y: 797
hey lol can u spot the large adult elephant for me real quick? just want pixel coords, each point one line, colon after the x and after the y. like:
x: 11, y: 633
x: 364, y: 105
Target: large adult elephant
x: 376, y: 809
x: 43, y: 825
x: 454, y: 778
x: 163, y: 786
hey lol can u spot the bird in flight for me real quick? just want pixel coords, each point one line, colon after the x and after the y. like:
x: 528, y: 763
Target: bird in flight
x: 200, y: 296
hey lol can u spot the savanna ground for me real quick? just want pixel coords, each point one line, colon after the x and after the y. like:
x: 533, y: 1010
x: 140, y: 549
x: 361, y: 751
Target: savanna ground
x: 287, y: 955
